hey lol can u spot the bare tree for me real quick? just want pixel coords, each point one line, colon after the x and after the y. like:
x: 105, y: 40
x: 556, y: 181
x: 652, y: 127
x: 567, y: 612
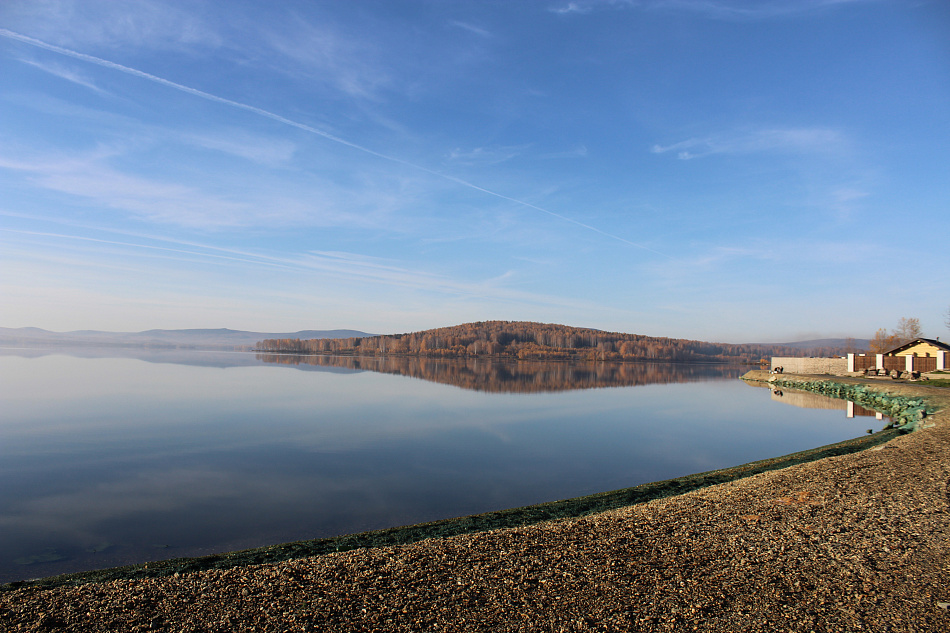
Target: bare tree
x: 907, y: 330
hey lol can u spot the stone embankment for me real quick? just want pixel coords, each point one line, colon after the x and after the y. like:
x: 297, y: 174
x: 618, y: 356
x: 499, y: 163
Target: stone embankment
x: 856, y: 542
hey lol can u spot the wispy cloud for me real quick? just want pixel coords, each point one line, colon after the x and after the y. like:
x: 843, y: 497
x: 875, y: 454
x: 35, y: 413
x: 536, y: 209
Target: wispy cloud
x: 471, y: 28
x: 502, y: 154
x: 714, y: 9
x: 744, y: 272
x: 578, y: 152
x: 92, y: 178
x: 236, y: 142
x: 744, y: 10
x: 848, y: 194
x: 107, y: 24
x: 186, y: 251
x: 344, y: 266
x: 145, y: 198
x: 310, y: 129
x: 320, y: 53
x: 258, y: 148
x: 573, y: 7
x: 485, y: 155
x: 69, y: 74
x: 846, y: 200
x: 787, y: 140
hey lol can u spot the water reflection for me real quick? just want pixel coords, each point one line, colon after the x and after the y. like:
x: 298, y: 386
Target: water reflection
x: 198, y: 358
x: 505, y: 376
x: 108, y: 461
x: 808, y: 400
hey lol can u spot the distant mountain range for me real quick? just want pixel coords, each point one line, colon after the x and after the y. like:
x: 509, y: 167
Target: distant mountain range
x: 197, y: 339
x: 859, y: 344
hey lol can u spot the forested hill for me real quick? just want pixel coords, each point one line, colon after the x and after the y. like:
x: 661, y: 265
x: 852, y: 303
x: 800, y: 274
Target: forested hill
x: 528, y: 340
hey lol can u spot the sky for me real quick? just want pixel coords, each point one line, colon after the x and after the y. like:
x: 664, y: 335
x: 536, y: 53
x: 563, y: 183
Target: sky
x: 723, y: 170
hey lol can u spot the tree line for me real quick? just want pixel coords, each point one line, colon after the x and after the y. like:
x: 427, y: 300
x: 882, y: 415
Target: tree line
x: 538, y: 341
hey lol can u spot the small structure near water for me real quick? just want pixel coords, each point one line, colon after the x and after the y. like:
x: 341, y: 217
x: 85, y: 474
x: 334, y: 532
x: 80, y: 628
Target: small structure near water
x: 918, y: 356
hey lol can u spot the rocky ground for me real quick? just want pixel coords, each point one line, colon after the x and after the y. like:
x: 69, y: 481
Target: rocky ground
x: 859, y: 542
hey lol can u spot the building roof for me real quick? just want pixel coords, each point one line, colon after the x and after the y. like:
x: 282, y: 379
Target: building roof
x: 935, y: 342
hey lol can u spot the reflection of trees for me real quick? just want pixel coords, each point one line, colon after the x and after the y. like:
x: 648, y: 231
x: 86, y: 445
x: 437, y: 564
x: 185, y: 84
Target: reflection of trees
x: 517, y: 376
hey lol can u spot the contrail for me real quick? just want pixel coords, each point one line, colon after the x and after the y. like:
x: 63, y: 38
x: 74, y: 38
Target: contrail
x: 303, y: 126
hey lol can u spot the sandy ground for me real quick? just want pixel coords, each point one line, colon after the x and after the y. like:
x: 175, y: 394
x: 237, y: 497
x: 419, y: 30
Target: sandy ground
x: 859, y: 542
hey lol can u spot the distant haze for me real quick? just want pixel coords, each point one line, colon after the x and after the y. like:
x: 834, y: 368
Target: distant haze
x: 204, y: 339
x: 859, y: 344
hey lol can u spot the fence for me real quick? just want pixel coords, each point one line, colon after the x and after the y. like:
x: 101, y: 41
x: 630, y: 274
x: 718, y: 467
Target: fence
x: 900, y: 363
x: 894, y: 362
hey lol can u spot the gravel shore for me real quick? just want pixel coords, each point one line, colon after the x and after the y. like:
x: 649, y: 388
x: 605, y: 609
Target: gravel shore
x: 859, y: 542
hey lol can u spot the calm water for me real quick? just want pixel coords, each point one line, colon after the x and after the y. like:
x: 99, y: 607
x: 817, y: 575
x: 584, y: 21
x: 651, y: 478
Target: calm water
x: 109, y: 460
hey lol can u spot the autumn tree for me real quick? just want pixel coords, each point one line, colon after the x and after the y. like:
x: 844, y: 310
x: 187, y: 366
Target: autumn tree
x: 882, y: 341
x: 535, y: 340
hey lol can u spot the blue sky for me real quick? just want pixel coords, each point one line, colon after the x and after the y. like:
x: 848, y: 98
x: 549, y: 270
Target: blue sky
x: 713, y: 169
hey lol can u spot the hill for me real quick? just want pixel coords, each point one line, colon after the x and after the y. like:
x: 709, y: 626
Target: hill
x: 541, y: 341
x: 857, y: 344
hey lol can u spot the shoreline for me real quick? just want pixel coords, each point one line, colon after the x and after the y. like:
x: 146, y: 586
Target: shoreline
x: 686, y: 539
x: 572, y: 508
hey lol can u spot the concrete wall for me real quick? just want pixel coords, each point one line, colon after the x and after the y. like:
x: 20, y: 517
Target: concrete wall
x: 798, y: 365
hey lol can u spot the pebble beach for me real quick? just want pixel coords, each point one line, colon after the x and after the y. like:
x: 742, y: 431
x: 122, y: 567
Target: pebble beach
x: 857, y: 542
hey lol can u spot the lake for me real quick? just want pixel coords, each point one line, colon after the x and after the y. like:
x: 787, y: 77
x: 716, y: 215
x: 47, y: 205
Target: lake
x: 110, y: 457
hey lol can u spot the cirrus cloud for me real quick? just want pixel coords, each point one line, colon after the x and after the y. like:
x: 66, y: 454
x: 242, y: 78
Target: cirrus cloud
x: 714, y: 9
x: 781, y: 140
